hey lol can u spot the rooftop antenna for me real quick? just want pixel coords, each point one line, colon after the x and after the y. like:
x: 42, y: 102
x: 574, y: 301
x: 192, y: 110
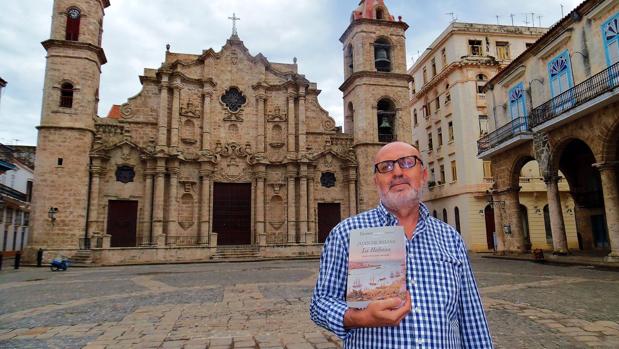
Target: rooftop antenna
x: 539, y: 20
x: 512, y: 16
x: 497, y: 19
x: 561, y: 10
x: 453, y: 16
x: 533, y: 19
x: 526, y: 20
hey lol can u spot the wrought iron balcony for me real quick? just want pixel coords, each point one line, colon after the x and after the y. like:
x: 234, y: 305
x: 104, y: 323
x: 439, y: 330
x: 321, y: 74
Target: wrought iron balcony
x: 511, y: 129
x: 587, y: 90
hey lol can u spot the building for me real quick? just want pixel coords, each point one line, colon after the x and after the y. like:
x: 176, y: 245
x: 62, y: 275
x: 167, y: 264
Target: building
x: 558, y: 104
x: 15, y: 197
x: 221, y: 152
x: 449, y: 113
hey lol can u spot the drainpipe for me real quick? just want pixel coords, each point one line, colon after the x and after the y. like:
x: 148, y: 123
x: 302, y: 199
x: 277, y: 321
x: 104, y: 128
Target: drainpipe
x: 86, y: 241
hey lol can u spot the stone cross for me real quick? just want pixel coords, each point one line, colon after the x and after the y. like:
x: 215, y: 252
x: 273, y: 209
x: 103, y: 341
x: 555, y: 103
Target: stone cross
x: 234, y: 18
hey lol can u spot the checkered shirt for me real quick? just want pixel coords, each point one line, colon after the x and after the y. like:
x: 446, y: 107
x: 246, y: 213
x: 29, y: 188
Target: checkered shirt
x: 446, y: 308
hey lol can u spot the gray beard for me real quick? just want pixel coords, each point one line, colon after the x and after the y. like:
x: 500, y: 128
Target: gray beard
x: 395, y: 201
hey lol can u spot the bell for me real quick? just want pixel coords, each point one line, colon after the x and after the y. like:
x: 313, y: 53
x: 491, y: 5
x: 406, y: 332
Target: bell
x: 381, y: 59
x: 385, y: 123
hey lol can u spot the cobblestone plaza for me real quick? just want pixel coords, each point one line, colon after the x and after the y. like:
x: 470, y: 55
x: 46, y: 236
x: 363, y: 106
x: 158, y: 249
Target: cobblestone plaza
x: 265, y: 305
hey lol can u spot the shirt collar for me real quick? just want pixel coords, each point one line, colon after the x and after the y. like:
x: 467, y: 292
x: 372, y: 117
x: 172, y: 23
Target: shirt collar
x: 388, y: 218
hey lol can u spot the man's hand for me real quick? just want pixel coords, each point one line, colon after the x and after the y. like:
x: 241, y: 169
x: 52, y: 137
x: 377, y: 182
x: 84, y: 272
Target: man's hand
x: 386, y: 312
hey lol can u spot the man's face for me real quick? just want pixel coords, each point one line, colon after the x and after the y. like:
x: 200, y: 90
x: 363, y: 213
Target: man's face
x: 400, y: 187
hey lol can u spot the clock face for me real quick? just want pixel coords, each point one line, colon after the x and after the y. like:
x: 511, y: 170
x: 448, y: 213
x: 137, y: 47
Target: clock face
x: 74, y: 13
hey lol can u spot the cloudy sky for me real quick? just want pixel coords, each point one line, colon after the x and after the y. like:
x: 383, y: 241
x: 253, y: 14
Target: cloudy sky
x: 136, y: 32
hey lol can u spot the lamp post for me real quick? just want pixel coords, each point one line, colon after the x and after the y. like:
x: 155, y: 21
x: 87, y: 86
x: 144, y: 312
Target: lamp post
x: 51, y: 213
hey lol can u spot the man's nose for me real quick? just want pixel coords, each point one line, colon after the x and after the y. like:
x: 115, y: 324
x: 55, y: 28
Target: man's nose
x: 397, y: 170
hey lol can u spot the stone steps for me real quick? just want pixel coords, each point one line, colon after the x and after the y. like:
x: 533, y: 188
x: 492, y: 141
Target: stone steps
x: 236, y: 252
x: 81, y: 257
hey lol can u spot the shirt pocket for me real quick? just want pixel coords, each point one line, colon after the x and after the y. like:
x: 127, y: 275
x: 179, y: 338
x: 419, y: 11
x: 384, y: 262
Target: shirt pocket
x: 447, y: 283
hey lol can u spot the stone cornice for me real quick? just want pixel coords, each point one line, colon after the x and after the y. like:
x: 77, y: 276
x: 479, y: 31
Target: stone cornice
x: 47, y: 44
x: 376, y: 22
x: 373, y: 74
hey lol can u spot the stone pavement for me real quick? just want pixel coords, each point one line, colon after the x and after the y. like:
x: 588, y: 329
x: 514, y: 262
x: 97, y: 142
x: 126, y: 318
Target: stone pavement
x: 265, y: 305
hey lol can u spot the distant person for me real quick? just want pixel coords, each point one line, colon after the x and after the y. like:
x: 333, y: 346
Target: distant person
x: 446, y: 310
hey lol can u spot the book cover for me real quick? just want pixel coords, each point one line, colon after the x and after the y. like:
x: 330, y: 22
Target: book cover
x: 376, y: 265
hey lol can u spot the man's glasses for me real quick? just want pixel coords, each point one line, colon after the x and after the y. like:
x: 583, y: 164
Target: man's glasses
x: 404, y: 162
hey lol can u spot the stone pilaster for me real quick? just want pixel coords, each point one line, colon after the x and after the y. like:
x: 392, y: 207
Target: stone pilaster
x: 608, y: 175
x: 159, y: 238
x: 260, y: 139
x: 205, y: 203
x: 148, y: 208
x: 498, y: 207
x: 206, y: 130
x: 162, y: 120
x: 172, y: 223
x: 292, y: 224
x: 351, y: 179
x: 557, y: 225
x: 174, y: 124
x: 312, y: 237
x: 291, y: 121
x: 260, y: 175
x: 302, y: 202
x: 302, y: 131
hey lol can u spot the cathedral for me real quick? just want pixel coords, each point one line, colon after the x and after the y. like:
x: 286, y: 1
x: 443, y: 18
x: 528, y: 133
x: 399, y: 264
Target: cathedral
x: 222, y: 153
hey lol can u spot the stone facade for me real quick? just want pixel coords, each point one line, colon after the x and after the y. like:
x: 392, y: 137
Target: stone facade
x: 557, y: 104
x: 449, y: 113
x: 210, y: 130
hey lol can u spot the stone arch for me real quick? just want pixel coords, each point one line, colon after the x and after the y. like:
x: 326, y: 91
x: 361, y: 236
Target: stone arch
x: 610, y: 143
x: 386, y: 117
x: 516, y: 170
x: 383, y: 54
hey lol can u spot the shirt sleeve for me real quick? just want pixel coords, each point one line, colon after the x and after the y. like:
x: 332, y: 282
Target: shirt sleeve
x: 328, y: 303
x: 474, y: 332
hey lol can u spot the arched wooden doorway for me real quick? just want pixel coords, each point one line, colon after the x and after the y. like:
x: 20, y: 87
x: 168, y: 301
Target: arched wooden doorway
x: 490, y: 228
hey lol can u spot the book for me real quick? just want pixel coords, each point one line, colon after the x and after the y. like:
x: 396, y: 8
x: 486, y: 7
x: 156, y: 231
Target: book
x: 376, y: 265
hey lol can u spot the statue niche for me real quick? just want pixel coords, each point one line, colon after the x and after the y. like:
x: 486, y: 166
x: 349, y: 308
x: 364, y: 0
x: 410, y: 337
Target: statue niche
x: 188, y: 133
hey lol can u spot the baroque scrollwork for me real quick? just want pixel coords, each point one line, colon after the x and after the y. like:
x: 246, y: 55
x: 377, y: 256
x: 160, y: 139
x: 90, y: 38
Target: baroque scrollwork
x: 235, y: 150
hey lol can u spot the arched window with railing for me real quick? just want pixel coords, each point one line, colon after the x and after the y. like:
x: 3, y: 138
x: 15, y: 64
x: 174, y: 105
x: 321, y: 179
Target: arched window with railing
x: 66, y: 95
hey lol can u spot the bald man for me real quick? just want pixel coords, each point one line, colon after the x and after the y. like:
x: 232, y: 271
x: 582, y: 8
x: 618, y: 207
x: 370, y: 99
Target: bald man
x: 442, y: 307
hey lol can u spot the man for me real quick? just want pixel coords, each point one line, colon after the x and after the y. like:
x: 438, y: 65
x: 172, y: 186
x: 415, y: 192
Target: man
x: 442, y: 307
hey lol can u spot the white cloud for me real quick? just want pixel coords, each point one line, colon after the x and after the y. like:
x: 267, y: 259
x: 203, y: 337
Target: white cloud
x: 136, y: 32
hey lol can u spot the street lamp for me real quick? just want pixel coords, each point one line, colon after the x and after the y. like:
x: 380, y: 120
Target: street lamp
x: 52, y: 213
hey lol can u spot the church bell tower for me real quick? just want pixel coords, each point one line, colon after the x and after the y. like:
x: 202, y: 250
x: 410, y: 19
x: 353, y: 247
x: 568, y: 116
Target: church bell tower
x: 376, y: 87
x: 65, y: 134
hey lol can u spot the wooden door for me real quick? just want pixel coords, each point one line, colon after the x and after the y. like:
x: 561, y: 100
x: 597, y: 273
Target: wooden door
x: 490, y: 228
x: 328, y: 217
x: 122, y: 219
x: 232, y: 213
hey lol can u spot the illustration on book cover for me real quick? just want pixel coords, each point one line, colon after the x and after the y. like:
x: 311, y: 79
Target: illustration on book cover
x: 376, y: 265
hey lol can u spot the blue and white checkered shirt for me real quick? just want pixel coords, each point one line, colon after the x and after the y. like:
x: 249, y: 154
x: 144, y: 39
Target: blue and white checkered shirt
x: 446, y: 308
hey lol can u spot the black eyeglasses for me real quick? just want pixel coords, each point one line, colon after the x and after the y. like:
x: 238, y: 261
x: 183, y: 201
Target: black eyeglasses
x: 404, y: 162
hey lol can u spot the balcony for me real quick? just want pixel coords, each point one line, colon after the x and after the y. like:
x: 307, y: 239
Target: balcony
x: 507, y: 136
x: 577, y: 101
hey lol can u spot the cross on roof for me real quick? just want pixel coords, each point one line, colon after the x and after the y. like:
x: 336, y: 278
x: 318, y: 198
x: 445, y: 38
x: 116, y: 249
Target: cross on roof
x: 234, y: 18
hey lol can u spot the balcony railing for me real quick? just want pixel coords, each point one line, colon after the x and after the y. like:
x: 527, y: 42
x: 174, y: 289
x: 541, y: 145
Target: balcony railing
x: 513, y: 128
x: 596, y: 85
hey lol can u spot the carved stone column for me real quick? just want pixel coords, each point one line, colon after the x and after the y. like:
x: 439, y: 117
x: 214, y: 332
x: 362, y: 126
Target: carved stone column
x: 206, y: 172
x: 260, y: 140
x: 93, y: 218
x: 173, y: 169
x: 557, y: 225
x: 292, y: 216
x: 515, y: 240
x: 206, y: 131
x: 291, y: 121
x: 162, y: 121
x: 351, y: 178
x: 159, y: 238
x: 260, y: 174
x: 147, y: 238
x: 608, y: 175
x: 302, y: 203
x: 312, y: 237
x: 302, y: 131
x: 174, y: 124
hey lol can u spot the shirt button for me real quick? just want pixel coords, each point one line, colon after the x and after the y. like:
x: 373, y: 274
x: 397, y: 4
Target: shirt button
x: 417, y: 310
x: 419, y: 341
x: 413, y: 282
